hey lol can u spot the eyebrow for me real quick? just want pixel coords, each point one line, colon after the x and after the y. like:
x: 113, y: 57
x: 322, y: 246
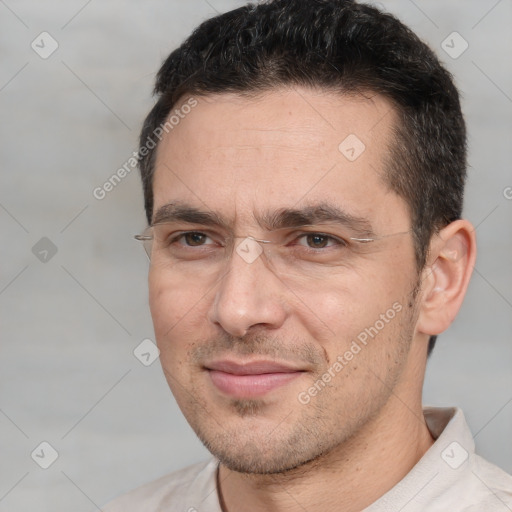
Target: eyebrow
x: 177, y: 211
x: 315, y: 214
x: 279, y: 219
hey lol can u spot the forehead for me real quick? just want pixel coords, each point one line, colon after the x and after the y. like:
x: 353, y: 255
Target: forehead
x: 236, y: 155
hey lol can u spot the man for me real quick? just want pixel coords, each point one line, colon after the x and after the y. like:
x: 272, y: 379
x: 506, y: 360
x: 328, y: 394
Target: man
x: 303, y: 172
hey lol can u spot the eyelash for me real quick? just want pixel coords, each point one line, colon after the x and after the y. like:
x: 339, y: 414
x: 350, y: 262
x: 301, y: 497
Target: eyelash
x: 330, y: 238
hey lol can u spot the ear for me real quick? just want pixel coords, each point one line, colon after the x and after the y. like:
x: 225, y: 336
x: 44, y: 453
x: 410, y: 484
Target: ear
x: 446, y: 275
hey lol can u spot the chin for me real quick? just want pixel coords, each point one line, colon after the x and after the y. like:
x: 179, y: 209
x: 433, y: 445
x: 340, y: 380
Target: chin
x: 251, y: 461
x: 263, y: 448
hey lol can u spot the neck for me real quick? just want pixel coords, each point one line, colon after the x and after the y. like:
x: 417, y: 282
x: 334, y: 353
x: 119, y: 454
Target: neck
x: 349, y: 478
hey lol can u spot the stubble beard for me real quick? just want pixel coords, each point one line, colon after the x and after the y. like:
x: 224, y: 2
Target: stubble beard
x: 271, y: 448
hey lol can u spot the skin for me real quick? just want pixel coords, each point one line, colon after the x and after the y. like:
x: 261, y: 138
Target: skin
x: 363, y: 432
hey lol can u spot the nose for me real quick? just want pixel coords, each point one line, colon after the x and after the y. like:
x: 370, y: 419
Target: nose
x: 248, y: 293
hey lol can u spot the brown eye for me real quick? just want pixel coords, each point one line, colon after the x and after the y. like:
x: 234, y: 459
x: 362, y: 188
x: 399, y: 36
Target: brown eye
x: 194, y: 238
x: 317, y: 241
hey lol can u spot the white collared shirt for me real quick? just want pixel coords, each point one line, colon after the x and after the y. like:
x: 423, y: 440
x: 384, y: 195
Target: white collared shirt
x: 450, y: 477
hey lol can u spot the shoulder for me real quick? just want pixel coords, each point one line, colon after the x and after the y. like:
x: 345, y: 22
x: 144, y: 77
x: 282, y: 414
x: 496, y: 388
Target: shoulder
x: 183, y: 488
x: 492, y: 485
x: 472, y: 484
x: 482, y: 487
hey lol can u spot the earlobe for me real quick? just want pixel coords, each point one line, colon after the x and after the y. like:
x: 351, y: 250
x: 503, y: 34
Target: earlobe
x: 446, y: 276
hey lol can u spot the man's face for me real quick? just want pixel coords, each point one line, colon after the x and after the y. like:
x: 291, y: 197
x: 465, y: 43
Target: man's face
x: 277, y: 357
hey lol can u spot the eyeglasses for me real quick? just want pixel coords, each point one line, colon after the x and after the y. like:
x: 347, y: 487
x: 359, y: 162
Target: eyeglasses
x: 304, y: 251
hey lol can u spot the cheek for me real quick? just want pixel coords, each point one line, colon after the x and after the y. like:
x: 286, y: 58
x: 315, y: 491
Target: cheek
x: 358, y: 309
x: 160, y: 304
x: 330, y: 302
x: 174, y: 306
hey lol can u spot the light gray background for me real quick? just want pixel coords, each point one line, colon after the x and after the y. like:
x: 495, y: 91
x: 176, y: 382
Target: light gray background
x: 69, y: 326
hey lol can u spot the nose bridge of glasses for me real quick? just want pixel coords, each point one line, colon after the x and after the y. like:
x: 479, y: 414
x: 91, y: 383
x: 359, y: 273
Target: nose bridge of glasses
x: 259, y: 240
x: 249, y: 248
x: 262, y: 259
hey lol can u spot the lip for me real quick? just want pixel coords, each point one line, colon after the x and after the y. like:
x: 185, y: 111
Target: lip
x: 250, y: 379
x: 251, y: 367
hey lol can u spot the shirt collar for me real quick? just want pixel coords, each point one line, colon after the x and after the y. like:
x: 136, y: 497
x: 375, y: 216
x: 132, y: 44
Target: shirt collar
x: 445, y: 462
